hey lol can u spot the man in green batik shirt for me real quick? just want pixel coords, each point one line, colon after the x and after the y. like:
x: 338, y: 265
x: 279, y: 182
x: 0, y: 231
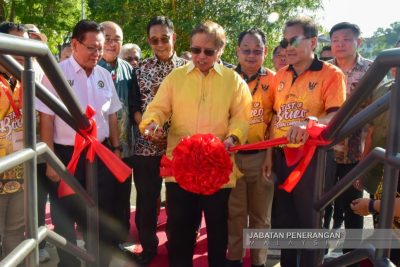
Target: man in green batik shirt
x: 121, y: 72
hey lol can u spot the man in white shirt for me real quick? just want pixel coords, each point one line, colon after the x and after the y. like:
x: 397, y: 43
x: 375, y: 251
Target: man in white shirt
x: 93, y: 86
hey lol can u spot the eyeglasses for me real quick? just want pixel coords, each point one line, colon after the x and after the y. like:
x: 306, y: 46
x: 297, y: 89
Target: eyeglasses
x: 129, y: 59
x: 248, y: 52
x: 207, y: 51
x: 91, y: 49
x: 294, y: 41
x: 112, y: 40
x: 163, y: 40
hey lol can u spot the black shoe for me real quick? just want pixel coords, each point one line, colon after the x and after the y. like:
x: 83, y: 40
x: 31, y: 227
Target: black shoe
x: 143, y: 258
x: 236, y: 263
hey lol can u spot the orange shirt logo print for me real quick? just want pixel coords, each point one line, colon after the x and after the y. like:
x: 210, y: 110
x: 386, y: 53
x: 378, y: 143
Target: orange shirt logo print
x: 257, y: 113
x: 312, y: 85
x: 290, y: 113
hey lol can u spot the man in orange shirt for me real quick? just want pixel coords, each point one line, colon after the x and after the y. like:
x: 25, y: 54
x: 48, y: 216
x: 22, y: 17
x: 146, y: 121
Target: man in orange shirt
x: 251, y: 199
x: 307, y: 89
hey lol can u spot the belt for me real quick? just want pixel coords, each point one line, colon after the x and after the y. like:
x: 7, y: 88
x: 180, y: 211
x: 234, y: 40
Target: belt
x: 249, y: 152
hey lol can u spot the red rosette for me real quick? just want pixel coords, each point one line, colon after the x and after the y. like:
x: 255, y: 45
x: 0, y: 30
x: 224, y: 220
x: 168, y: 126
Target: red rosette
x: 200, y: 164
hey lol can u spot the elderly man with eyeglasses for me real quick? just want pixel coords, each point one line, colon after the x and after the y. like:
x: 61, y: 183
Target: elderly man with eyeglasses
x: 147, y: 154
x: 121, y: 74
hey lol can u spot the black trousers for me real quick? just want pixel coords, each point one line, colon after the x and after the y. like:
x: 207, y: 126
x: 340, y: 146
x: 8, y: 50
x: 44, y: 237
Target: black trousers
x: 123, y: 202
x: 294, y: 210
x: 148, y: 182
x: 183, y: 210
x: 71, y: 209
x: 43, y: 187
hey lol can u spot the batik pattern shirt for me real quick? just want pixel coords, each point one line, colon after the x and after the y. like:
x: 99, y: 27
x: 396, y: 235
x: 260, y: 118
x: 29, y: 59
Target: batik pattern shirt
x: 149, y: 75
x: 351, y: 148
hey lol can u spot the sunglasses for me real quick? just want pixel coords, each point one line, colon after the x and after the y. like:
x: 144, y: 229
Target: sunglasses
x: 294, y: 41
x: 163, y: 40
x: 129, y: 59
x: 325, y: 58
x: 248, y: 52
x: 207, y: 51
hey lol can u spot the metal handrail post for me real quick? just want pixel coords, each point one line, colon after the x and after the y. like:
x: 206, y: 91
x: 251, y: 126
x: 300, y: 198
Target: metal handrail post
x: 319, y: 187
x: 92, y: 212
x: 30, y: 190
x: 390, y: 178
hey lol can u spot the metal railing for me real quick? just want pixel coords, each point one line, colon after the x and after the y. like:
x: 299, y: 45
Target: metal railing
x: 345, y: 123
x: 69, y: 110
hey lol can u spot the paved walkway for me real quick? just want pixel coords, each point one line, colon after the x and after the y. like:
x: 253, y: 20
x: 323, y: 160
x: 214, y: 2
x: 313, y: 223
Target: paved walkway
x: 120, y: 261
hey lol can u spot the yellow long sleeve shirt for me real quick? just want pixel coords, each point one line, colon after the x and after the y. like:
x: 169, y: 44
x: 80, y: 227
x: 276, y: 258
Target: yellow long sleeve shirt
x: 218, y: 103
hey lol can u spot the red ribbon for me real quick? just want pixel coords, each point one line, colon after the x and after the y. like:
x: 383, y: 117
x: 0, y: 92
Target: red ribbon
x: 301, y: 155
x: 7, y: 92
x: 88, y: 139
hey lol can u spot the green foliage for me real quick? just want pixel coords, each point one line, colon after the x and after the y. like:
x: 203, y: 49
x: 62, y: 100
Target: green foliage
x: 381, y: 40
x: 53, y: 18
x: 234, y: 15
x: 57, y: 18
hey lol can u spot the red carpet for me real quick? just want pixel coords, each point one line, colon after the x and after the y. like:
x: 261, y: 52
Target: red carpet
x: 200, y: 251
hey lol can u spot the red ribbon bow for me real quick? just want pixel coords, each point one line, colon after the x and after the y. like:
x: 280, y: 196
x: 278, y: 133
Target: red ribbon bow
x: 301, y: 155
x: 88, y: 139
x: 200, y: 164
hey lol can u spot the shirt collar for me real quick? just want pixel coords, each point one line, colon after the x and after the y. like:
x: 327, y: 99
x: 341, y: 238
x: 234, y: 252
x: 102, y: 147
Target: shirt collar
x: 75, y: 64
x: 217, y: 67
x: 359, y: 62
x: 172, y: 60
x: 261, y: 72
x: 316, y: 65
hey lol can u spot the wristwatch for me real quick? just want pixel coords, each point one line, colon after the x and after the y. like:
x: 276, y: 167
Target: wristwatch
x: 116, y: 148
x: 312, y: 118
x: 371, y: 208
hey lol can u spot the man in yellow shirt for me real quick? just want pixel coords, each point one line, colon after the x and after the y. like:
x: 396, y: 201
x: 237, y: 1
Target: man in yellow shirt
x: 200, y: 97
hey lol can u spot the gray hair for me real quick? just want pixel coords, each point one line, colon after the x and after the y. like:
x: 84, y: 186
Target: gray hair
x: 130, y: 46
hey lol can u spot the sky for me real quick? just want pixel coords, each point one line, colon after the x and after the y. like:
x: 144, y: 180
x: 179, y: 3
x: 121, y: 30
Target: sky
x: 369, y: 15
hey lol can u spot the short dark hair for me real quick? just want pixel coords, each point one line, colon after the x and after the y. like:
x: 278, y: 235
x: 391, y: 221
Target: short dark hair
x: 160, y: 20
x: 252, y: 31
x: 275, y: 51
x: 84, y: 26
x: 310, y: 28
x: 213, y: 29
x: 346, y: 25
x: 7, y: 26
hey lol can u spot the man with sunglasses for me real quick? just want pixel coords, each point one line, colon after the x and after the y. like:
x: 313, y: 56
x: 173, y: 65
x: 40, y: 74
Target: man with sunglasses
x: 92, y: 86
x: 250, y: 200
x: 147, y: 154
x: 121, y: 74
x: 202, y: 97
x: 308, y: 89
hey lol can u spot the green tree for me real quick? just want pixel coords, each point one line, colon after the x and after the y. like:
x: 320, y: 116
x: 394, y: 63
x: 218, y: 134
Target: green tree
x: 53, y: 18
x: 234, y: 15
x: 381, y: 40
